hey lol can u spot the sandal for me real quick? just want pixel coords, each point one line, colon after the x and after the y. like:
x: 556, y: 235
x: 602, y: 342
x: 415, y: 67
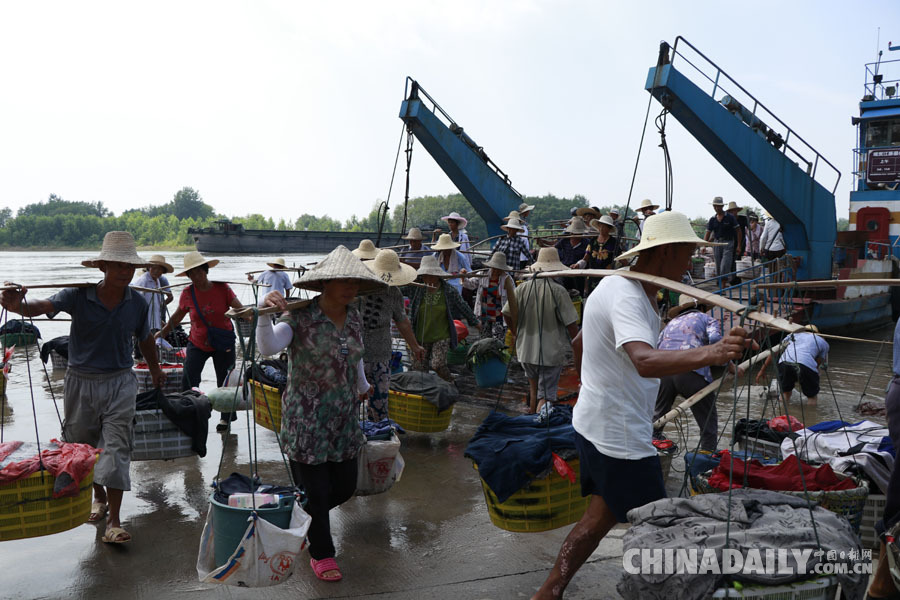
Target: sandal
x: 98, y: 512
x: 116, y: 535
x: 320, y: 567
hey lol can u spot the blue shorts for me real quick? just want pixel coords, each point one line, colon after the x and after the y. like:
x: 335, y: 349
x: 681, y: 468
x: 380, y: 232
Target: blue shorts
x: 623, y: 484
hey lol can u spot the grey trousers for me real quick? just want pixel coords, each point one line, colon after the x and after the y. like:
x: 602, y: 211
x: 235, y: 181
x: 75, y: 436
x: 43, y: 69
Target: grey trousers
x: 724, y: 255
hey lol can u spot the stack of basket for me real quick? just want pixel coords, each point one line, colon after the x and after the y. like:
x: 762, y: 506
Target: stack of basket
x: 156, y: 437
x: 172, y: 384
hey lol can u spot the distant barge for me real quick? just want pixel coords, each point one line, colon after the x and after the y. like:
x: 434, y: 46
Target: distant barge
x: 225, y: 237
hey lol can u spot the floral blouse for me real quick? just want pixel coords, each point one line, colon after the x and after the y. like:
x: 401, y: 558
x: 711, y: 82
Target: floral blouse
x: 319, y: 409
x: 600, y: 256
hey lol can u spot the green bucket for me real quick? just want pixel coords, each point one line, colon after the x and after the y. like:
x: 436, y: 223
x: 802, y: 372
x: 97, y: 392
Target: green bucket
x: 17, y: 339
x: 457, y: 356
x: 230, y: 523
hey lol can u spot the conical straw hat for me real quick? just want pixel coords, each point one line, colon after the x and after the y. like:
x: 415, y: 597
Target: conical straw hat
x: 278, y: 263
x: 647, y: 203
x: 118, y: 246
x: 576, y: 226
x: 732, y: 206
x: 366, y: 249
x: 685, y: 302
x: 414, y: 234
x: 513, y: 214
x: 430, y: 266
x: 195, y: 259
x: 339, y: 264
x: 669, y: 227
x: 587, y: 210
x: 513, y: 224
x: 445, y: 242
x: 548, y: 260
x: 497, y: 261
x: 388, y: 268
x: 160, y: 261
x: 604, y: 220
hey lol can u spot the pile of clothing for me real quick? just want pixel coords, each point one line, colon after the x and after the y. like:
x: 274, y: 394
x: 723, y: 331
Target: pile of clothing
x: 241, y: 484
x: 271, y: 372
x: 788, y: 476
x: 58, y: 344
x: 379, y: 430
x: 68, y: 463
x: 19, y: 326
x: 763, y: 429
x: 430, y: 386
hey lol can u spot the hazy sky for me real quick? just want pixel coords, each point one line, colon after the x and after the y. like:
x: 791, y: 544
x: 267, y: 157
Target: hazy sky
x: 291, y: 107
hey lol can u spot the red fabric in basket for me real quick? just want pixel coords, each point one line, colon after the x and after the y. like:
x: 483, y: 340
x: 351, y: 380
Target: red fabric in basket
x: 785, y: 424
x: 783, y: 477
x: 73, y: 460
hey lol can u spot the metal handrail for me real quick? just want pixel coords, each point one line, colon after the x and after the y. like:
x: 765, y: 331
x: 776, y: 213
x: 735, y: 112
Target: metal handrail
x: 870, y: 86
x: 812, y: 165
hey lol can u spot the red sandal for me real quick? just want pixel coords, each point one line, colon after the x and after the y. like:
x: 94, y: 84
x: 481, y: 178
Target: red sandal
x: 320, y: 567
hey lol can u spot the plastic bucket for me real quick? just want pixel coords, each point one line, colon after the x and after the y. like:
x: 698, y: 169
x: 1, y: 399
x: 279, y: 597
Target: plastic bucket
x: 490, y: 373
x: 230, y: 523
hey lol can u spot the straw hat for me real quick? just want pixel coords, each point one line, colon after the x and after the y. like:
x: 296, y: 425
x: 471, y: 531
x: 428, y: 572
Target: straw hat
x: 445, y: 242
x: 525, y: 207
x: 118, y: 246
x: 513, y: 224
x: 588, y: 210
x: 414, y: 234
x: 614, y: 211
x: 366, y: 249
x: 340, y: 264
x: 277, y: 264
x: 604, y: 220
x: 576, y: 226
x: 195, y: 259
x: 685, y: 303
x: 669, y: 227
x: 752, y: 216
x: 388, y: 268
x: 160, y: 261
x: 547, y: 260
x: 497, y: 261
x: 647, y: 203
x: 456, y: 217
x: 732, y: 206
x: 430, y: 266
x: 717, y: 201
x: 513, y: 214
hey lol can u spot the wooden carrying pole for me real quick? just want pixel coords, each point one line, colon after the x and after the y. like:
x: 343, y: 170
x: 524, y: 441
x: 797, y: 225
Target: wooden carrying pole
x: 16, y: 286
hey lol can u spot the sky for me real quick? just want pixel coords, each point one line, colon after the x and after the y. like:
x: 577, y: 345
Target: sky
x: 284, y: 108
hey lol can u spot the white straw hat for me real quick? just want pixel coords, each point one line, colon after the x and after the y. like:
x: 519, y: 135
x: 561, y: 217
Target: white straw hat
x: 278, y: 263
x: 160, y: 261
x: 685, y: 302
x: 118, y: 246
x: 430, y: 266
x: 576, y: 226
x: 497, y: 261
x: 647, y: 203
x: 717, y: 201
x: 513, y: 224
x: 547, y: 260
x: 414, y: 234
x: 388, y: 268
x: 513, y: 214
x: 525, y: 207
x: 613, y: 211
x: 339, y: 264
x: 195, y: 259
x: 604, y: 220
x: 366, y: 249
x: 732, y: 206
x: 445, y: 242
x: 587, y: 210
x: 456, y: 217
x: 669, y: 227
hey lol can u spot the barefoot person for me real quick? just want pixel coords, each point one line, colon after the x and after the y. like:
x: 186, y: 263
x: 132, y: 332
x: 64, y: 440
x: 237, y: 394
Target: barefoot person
x: 100, y: 390
x: 613, y: 418
x: 320, y: 425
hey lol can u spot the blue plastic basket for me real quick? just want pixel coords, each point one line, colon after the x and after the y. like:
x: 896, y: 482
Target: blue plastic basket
x: 491, y: 372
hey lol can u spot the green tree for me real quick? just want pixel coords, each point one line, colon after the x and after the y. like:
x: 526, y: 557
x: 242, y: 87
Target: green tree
x: 5, y: 216
x: 187, y: 204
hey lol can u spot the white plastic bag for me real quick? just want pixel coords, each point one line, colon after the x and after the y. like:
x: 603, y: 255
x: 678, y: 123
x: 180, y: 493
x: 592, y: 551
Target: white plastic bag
x: 266, y: 555
x: 380, y: 465
x: 223, y: 399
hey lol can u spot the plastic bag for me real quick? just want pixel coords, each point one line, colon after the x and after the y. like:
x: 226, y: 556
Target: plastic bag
x: 266, y: 555
x: 379, y: 466
x: 785, y: 424
x: 223, y: 399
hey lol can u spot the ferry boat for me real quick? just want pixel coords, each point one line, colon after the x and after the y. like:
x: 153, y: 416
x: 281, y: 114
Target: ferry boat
x: 225, y: 237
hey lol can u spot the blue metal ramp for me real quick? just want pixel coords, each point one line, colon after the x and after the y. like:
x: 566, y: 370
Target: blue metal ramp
x: 774, y: 164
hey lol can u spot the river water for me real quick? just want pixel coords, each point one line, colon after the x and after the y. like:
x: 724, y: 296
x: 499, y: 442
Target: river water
x: 432, y: 532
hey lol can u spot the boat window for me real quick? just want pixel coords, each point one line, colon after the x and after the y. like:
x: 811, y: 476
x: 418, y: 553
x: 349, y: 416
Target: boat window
x: 883, y: 133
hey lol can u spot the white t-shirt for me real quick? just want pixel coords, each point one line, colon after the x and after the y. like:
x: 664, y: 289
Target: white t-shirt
x: 615, y: 405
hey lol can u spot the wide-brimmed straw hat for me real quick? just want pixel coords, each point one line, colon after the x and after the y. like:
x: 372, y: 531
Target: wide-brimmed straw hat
x: 118, y: 246
x: 340, y: 264
x: 669, y: 227
x: 525, y: 207
x: 513, y: 214
x: 547, y: 260
x: 195, y: 259
x: 718, y: 201
x: 576, y: 227
x: 365, y: 250
x: 456, y: 217
x: 430, y: 266
x: 732, y: 206
x: 604, y: 220
x: 445, y: 242
x: 388, y: 268
x: 685, y: 302
x: 513, y: 224
x: 647, y: 203
x: 278, y: 263
x: 497, y: 261
x: 158, y: 260
x: 587, y: 210
x: 414, y: 234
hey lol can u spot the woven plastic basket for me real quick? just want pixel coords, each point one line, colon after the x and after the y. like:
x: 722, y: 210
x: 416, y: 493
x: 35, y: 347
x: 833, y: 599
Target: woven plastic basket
x: 17, y: 339
x: 245, y: 328
x: 665, y: 463
x: 58, y: 360
x: 759, y: 446
x: 28, y: 509
x: 173, y: 378
x: 266, y: 406
x: 823, y: 588
x: 158, y: 438
x: 414, y: 413
x: 169, y: 356
x: 847, y: 503
x: 547, y: 503
x: 872, y: 512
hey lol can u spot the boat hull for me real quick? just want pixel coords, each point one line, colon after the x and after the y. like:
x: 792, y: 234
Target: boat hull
x: 282, y: 242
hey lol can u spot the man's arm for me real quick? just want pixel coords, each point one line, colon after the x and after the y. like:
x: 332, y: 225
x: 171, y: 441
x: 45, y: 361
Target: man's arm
x: 14, y: 301
x: 650, y: 362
